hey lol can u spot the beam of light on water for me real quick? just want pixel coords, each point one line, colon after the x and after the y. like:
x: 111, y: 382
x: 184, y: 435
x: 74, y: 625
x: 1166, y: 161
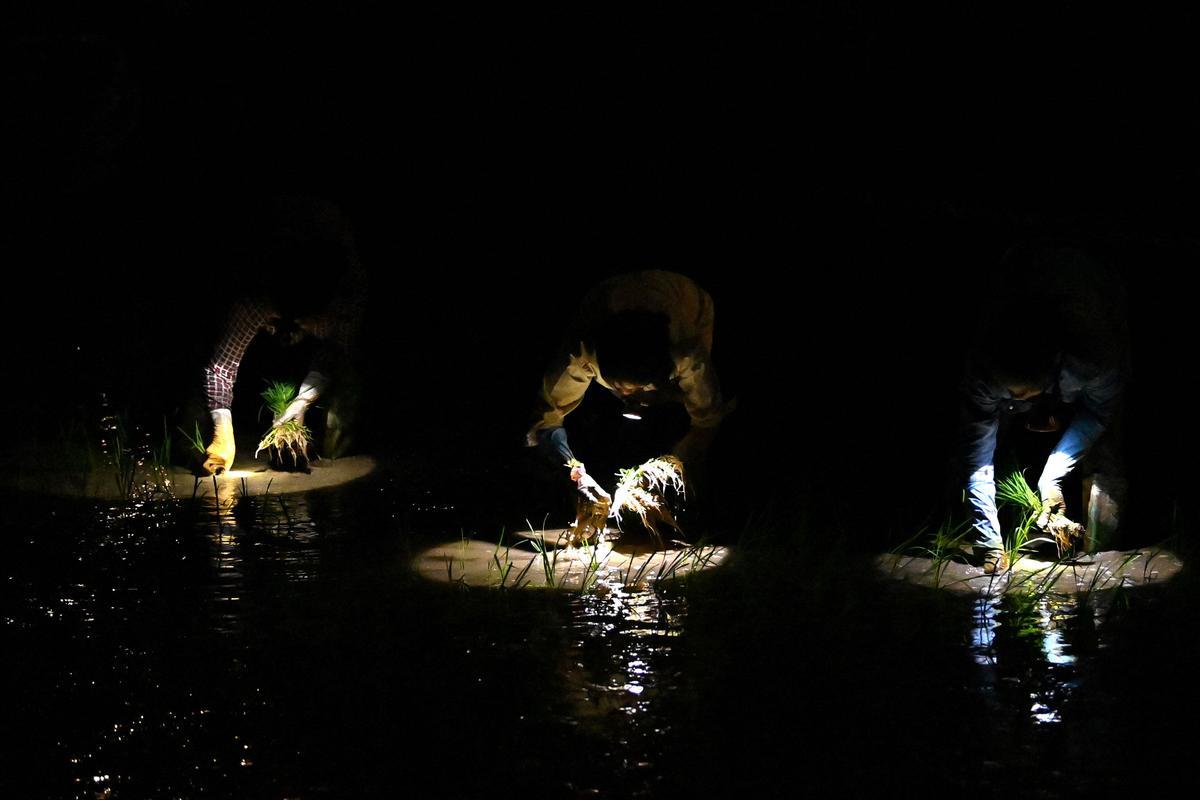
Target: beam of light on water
x: 619, y: 670
x: 1025, y: 653
x: 1057, y: 612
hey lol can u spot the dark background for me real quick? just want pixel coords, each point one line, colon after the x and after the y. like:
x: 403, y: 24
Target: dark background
x: 842, y: 178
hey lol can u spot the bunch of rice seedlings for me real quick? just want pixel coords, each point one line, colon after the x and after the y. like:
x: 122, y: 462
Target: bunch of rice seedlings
x: 590, y: 519
x: 1015, y: 490
x: 291, y: 438
x: 642, y: 490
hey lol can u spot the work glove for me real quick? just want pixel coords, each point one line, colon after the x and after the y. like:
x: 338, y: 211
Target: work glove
x: 586, y: 484
x: 1053, y: 503
x: 1053, y: 519
x: 223, y: 447
x: 310, y: 390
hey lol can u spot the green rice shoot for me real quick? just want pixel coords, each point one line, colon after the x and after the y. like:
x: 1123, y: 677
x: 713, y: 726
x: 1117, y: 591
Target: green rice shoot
x: 1015, y: 490
x: 279, y: 396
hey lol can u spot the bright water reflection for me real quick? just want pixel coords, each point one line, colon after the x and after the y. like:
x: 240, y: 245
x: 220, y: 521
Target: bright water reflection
x: 1029, y: 645
x: 215, y: 649
x: 618, y: 671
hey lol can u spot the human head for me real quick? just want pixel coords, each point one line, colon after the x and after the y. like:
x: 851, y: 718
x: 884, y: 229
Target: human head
x: 633, y: 349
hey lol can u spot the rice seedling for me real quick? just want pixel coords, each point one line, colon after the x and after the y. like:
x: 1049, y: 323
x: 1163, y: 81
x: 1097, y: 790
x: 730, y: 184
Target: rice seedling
x: 505, y: 567
x: 548, y: 556
x: 948, y: 543
x: 1015, y: 491
x: 118, y: 450
x: 141, y: 468
x: 160, y: 457
x: 642, y: 490
x: 289, y: 440
x: 591, y: 569
x: 549, y: 562
x: 195, y: 438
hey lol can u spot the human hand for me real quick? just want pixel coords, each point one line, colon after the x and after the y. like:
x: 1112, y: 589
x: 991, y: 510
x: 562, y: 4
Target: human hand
x: 1053, y: 520
x: 586, y: 484
x: 312, y: 387
x: 223, y: 447
x: 294, y: 412
x: 1053, y: 503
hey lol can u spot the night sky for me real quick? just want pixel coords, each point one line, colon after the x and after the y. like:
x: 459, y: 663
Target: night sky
x: 841, y: 178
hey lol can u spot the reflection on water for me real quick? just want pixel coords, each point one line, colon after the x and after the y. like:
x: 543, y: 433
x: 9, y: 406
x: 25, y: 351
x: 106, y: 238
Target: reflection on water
x: 1028, y: 645
x: 252, y: 646
x: 127, y: 692
x: 618, y: 673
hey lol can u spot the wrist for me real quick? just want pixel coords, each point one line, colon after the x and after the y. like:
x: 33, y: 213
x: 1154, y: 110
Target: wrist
x: 1048, y: 488
x: 311, y: 388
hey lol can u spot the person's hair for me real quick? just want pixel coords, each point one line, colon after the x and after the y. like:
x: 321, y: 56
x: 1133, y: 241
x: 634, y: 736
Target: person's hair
x: 634, y: 347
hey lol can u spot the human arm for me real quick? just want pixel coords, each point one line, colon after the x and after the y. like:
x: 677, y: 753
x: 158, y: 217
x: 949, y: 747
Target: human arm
x: 697, y: 381
x: 563, y: 388
x: 1099, y: 399
x: 245, y: 320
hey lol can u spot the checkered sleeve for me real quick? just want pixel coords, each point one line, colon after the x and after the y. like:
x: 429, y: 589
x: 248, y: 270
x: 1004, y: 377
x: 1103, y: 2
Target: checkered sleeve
x: 245, y: 320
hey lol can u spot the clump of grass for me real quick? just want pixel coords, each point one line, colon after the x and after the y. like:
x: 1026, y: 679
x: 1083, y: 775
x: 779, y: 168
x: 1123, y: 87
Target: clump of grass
x: 642, y: 490
x: 290, y: 439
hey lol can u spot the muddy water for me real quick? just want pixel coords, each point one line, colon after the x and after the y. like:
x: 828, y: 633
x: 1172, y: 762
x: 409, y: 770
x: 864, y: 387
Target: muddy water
x: 282, y: 647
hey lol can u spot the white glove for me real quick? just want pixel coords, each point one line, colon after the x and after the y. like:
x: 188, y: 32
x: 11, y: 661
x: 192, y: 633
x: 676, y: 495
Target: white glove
x: 310, y: 390
x: 1050, y: 487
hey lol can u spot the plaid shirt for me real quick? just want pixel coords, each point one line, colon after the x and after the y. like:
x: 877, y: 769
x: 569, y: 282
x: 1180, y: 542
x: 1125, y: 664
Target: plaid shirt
x: 337, y: 328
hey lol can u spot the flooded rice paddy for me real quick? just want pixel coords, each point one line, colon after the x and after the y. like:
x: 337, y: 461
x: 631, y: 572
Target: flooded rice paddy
x: 287, y: 646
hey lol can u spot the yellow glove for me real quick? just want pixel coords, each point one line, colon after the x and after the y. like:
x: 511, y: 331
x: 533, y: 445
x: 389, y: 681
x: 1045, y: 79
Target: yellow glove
x: 223, y: 447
